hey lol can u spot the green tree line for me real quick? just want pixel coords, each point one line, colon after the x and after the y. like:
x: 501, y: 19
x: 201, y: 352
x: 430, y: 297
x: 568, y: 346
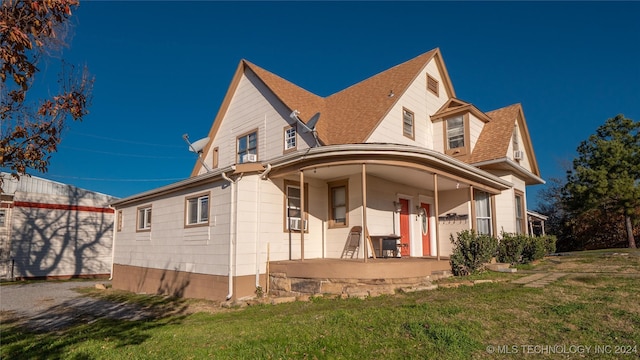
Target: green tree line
x: 597, y: 205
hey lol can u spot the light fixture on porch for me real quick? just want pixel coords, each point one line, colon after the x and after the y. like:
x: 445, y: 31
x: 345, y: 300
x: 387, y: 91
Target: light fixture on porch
x: 421, y: 211
x: 398, y: 206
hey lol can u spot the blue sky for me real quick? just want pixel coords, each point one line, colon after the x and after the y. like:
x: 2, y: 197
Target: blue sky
x: 162, y: 68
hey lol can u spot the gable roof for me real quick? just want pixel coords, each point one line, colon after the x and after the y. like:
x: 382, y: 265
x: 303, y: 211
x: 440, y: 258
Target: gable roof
x: 455, y: 106
x: 355, y: 112
x: 495, y: 138
x: 349, y: 116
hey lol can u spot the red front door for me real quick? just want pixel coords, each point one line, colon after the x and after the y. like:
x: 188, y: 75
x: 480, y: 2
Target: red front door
x: 424, y: 228
x: 404, y: 227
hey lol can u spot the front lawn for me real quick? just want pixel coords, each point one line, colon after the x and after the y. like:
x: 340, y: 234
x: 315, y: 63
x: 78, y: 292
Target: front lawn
x: 490, y: 320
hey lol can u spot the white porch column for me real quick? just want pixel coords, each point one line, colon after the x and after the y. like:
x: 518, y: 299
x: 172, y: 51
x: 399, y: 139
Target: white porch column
x: 435, y: 200
x: 302, y: 216
x: 364, y: 212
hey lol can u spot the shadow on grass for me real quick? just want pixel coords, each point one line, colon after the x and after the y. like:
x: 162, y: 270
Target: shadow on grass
x: 20, y: 343
x: 120, y: 319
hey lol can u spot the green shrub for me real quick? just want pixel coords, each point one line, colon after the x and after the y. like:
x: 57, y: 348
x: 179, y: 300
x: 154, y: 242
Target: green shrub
x: 471, y: 252
x: 550, y: 243
x: 510, y: 248
x: 534, y: 249
x: 522, y: 249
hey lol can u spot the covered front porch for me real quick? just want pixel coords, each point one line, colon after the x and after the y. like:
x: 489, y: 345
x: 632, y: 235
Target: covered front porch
x: 356, y: 198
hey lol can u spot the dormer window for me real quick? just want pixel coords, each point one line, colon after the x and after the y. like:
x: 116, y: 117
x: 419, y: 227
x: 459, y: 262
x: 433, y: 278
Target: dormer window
x: 408, y: 123
x: 455, y: 132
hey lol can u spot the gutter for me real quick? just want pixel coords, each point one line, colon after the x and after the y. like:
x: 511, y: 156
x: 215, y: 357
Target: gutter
x: 389, y: 149
x: 517, y: 167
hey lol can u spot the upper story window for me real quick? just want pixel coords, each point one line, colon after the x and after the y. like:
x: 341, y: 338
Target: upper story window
x: 432, y: 85
x: 455, y: 132
x: 144, y: 218
x: 408, y: 123
x: 338, y: 204
x: 197, y: 210
x: 290, y: 138
x: 248, y: 147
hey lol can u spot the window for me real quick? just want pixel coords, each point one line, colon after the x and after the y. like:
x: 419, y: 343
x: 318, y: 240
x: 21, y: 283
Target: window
x: 483, y: 213
x: 247, y: 146
x: 293, y: 212
x: 455, y: 132
x: 144, y: 218
x: 197, y: 210
x: 432, y: 85
x: 3, y: 217
x: 407, y: 123
x: 289, y: 138
x: 338, y: 201
x: 520, y: 220
x: 119, y: 226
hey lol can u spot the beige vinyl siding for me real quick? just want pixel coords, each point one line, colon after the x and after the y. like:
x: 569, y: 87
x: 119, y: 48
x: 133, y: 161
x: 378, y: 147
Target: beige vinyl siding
x: 438, y: 135
x: 253, y: 106
x: 505, y: 205
x: 475, y: 128
x: 453, y: 201
x: 422, y: 103
x: 525, y: 163
x: 170, y: 245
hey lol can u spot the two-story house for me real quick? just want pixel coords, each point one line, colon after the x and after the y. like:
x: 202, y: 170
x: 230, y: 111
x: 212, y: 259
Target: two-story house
x: 318, y: 186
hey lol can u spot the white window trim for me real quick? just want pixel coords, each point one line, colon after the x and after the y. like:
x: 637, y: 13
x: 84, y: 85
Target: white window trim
x: 200, y: 220
x: 290, y: 134
x: 145, y: 212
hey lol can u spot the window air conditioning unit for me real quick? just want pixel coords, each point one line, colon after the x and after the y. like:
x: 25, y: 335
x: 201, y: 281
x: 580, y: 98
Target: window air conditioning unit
x: 518, y: 154
x: 246, y: 158
x: 296, y: 224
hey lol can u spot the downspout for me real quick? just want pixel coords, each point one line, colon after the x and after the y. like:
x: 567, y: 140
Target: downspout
x: 113, y: 240
x: 232, y: 228
x: 263, y: 176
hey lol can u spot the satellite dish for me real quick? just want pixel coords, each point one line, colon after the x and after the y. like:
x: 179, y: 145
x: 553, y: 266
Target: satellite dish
x: 310, y: 126
x: 197, y: 148
x: 199, y: 145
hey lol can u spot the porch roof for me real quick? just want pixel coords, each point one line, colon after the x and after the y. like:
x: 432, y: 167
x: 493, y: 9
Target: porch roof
x: 405, y: 156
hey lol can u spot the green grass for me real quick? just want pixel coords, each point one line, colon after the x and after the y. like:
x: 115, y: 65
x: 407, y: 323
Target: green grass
x: 448, y: 323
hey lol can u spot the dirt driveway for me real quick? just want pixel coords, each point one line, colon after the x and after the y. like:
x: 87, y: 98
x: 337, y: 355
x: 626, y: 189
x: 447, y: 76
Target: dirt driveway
x: 47, y: 306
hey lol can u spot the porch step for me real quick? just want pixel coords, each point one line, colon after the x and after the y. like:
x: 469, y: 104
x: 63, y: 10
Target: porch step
x: 501, y: 267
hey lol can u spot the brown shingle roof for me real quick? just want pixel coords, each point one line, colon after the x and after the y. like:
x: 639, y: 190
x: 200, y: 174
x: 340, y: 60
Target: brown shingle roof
x: 350, y: 115
x: 495, y: 138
